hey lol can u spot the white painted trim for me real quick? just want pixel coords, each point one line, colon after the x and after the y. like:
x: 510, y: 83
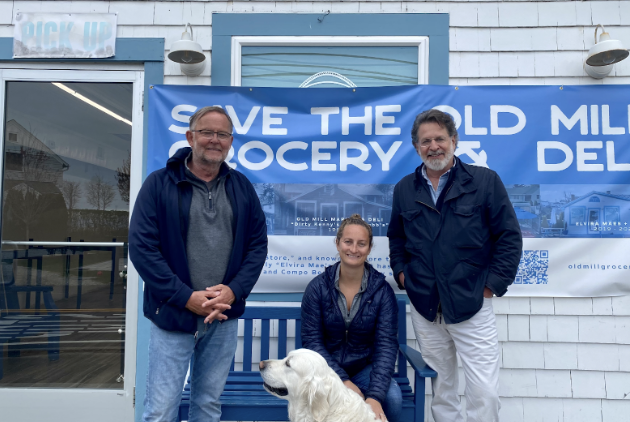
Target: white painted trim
x: 95, y: 405
x: 421, y: 42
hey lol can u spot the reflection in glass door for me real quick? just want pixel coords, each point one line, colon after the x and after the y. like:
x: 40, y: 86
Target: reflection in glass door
x: 65, y: 213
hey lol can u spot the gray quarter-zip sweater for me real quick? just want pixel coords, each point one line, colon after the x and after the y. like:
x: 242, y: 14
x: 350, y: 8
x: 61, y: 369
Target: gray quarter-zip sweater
x: 210, y: 236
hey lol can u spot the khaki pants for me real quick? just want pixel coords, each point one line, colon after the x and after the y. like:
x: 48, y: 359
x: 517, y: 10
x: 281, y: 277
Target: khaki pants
x: 477, y: 343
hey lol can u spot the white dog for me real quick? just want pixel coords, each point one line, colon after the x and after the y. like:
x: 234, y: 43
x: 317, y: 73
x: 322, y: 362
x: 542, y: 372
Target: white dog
x: 314, y: 391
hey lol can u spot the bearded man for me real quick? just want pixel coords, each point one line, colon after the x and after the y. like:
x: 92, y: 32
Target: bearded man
x: 454, y: 242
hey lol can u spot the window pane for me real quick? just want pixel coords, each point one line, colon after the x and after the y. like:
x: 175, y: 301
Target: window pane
x: 364, y: 66
x: 66, y: 179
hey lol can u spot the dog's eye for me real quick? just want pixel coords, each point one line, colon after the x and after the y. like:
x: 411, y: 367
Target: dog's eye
x: 287, y: 363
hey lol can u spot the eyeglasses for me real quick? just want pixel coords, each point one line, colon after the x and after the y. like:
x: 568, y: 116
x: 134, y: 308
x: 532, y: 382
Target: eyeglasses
x: 209, y: 134
x: 425, y: 143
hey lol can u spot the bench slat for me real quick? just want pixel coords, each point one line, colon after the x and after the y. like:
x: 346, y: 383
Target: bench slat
x: 248, y: 338
x: 264, y: 340
x: 282, y: 338
x: 298, y: 333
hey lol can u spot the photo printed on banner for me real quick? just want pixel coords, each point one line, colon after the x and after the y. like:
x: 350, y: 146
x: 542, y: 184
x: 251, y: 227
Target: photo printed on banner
x: 318, y: 210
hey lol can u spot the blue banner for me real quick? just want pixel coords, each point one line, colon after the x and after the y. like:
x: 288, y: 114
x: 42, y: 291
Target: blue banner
x: 316, y: 156
x: 528, y: 134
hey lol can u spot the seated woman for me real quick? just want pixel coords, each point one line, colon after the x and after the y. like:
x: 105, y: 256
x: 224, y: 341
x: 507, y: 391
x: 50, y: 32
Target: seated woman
x: 350, y: 317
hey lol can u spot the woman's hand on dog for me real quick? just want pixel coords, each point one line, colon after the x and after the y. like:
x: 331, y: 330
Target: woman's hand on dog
x: 377, y: 409
x: 354, y: 388
x: 375, y: 405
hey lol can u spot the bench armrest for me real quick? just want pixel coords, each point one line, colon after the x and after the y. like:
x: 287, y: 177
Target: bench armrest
x: 417, y: 363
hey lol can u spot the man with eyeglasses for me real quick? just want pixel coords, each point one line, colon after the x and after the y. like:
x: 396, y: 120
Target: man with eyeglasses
x: 198, y: 238
x: 454, y: 242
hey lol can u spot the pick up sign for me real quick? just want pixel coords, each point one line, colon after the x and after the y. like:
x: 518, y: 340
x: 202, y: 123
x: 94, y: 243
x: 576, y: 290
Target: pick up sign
x: 64, y: 35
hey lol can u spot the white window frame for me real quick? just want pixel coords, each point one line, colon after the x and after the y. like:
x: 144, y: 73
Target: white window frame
x: 422, y: 43
x: 100, y: 404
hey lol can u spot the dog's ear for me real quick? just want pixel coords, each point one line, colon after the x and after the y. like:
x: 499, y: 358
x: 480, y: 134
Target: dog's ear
x: 317, y: 392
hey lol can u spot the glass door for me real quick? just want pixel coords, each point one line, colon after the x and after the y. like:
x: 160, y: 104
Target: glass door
x: 72, y: 154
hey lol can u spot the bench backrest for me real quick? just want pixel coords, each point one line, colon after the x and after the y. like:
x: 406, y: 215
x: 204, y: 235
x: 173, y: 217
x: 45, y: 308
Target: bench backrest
x: 265, y: 315
x: 285, y: 314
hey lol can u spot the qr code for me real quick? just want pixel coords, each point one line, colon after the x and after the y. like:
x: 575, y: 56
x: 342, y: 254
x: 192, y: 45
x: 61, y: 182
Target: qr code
x: 533, y: 268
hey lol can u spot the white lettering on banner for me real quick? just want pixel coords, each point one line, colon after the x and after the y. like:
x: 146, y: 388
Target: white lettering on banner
x: 469, y: 129
x: 610, y: 156
x: 467, y: 147
x: 324, y: 112
x: 266, y: 149
x: 558, y: 116
x: 495, y: 129
x: 582, y: 156
x: 581, y: 115
x: 286, y: 147
x: 450, y: 110
x: 385, y: 157
x: 545, y: 145
x: 381, y: 120
x: 244, y: 128
x: 606, y: 128
x: 594, y: 120
x: 347, y: 120
x: 268, y: 120
x: 358, y: 162
x: 184, y: 118
x: 320, y: 156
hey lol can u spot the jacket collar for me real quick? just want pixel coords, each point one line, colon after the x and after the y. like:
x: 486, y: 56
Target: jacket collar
x: 375, y: 278
x: 463, y: 183
x: 177, y: 166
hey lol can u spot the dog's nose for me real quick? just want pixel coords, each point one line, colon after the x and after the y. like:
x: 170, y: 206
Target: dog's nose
x: 262, y: 364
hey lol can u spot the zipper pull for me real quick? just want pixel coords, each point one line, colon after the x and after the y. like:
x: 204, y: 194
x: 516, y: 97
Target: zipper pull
x: 196, y: 332
x: 157, y: 311
x: 346, y: 336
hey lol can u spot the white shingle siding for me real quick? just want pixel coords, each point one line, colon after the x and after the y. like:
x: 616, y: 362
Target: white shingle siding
x: 563, y: 359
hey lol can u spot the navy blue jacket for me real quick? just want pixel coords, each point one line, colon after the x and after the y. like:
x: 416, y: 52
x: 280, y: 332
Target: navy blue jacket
x: 157, y: 243
x: 449, y: 256
x: 371, y: 337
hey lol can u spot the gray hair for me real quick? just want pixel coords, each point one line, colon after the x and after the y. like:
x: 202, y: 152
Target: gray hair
x: 444, y: 120
x: 209, y: 109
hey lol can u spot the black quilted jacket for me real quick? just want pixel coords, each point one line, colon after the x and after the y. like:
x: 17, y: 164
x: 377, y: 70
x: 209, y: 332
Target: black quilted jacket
x: 371, y: 337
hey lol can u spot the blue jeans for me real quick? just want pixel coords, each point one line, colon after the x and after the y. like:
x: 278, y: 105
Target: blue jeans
x: 393, y: 401
x: 170, y: 353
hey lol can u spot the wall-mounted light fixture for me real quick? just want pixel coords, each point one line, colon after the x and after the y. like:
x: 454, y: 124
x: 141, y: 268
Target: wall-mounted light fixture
x: 603, y: 55
x: 188, y: 54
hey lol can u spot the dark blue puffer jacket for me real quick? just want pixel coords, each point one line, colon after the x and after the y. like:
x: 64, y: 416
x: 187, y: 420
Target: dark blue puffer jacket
x: 371, y: 337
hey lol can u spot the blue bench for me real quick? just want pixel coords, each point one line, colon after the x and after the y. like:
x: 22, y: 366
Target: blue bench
x: 244, y: 398
x: 15, y: 326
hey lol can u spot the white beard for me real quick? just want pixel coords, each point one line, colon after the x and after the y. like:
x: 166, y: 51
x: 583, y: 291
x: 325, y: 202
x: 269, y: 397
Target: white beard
x: 438, y: 164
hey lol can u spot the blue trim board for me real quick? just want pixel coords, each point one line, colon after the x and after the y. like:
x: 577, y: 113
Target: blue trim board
x: 129, y: 50
x: 433, y: 25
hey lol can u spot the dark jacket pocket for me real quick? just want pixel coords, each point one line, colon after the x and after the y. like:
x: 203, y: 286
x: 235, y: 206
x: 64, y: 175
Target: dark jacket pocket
x: 414, y: 229
x: 469, y: 226
x: 466, y: 284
